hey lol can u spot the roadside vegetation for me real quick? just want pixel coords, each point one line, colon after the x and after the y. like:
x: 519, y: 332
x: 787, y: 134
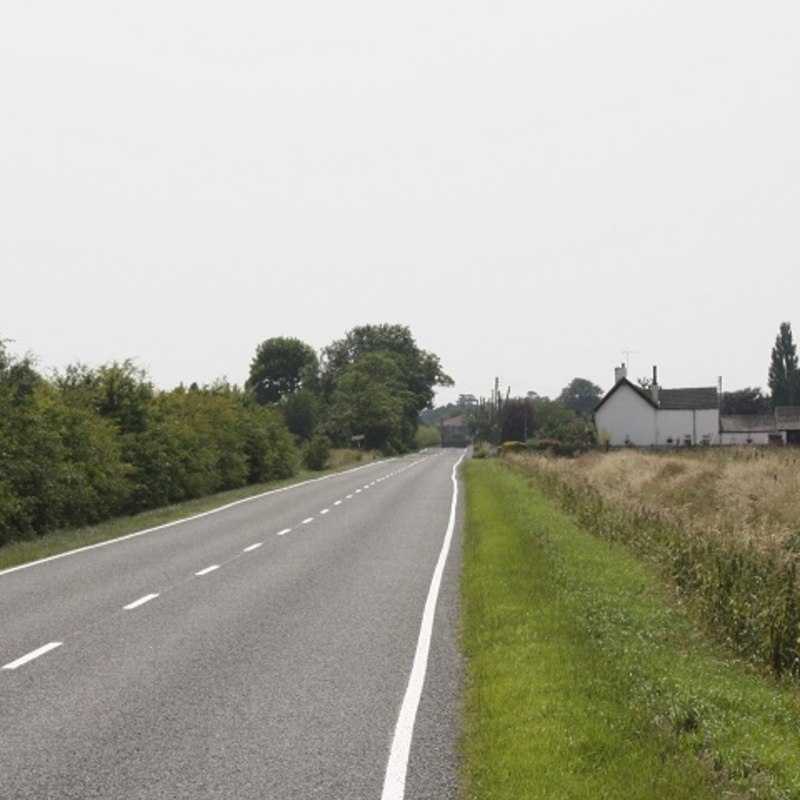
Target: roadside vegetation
x: 21, y: 551
x: 586, y: 678
x: 86, y: 445
x: 721, y: 525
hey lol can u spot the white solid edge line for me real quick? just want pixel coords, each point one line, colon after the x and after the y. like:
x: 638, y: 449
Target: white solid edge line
x: 172, y: 524
x: 394, y: 784
x: 140, y: 602
x: 34, y: 654
x: 207, y: 570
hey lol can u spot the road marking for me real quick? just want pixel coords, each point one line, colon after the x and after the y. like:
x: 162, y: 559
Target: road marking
x: 394, y: 784
x: 324, y: 511
x: 307, y: 520
x: 284, y: 531
x: 253, y: 547
x: 140, y: 602
x: 338, y: 503
x: 207, y: 570
x: 34, y: 654
x: 349, y: 497
x: 146, y: 531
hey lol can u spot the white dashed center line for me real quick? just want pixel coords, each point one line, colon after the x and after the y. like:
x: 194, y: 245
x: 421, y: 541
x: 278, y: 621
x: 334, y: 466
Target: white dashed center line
x: 253, y: 547
x: 307, y: 520
x: 207, y: 570
x: 140, y: 602
x: 284, y: 531
x: 34, y: 654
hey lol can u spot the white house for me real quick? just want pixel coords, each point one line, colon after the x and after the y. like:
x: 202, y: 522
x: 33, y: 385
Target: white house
x: 630, y: 415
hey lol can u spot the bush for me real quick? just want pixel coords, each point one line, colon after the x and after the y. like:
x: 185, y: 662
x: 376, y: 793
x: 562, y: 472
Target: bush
x: 317, y: 452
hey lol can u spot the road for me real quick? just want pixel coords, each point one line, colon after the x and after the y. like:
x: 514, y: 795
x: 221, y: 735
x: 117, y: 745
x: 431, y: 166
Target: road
x: 260, y: 651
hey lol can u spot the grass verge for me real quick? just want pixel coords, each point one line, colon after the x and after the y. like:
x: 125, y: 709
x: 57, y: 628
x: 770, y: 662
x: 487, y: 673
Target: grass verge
x: 22, y: 551
x: 584, y: 682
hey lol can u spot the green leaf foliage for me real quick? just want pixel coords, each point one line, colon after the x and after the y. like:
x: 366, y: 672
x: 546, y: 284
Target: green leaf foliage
x: 784, y: 377
x: 281, y: 366
x: 317, y: 452
x: 398, y: 380
x: 371, y: 399
x: 89, y: 445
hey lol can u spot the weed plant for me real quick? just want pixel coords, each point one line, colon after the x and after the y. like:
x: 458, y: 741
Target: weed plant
x: 584, y: 680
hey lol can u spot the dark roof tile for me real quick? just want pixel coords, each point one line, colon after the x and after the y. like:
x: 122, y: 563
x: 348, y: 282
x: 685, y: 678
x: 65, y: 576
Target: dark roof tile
x: 705, y: 397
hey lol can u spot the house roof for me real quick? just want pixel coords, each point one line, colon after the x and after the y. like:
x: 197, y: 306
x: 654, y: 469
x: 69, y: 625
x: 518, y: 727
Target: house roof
x: 747, y: 423
x: 784, y: 418
x: 617, y: 386
x: 703, y: 397
x: 788, y: 418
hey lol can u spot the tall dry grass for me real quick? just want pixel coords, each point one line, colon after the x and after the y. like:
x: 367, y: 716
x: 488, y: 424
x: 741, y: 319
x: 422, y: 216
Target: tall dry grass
x: 722, y: 525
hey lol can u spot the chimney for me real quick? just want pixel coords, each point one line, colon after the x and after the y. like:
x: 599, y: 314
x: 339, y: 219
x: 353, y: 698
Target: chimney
x: 654, y: 385
x: 620, y: 372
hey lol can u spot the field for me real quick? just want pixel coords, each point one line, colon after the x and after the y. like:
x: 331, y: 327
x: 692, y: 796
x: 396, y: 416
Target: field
x: 722, y: 527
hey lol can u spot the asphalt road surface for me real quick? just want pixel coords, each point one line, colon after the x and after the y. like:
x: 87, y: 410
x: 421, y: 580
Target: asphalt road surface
x: 266, y: 650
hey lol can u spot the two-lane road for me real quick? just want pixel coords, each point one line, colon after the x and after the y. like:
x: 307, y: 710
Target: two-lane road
x: 272, y: 649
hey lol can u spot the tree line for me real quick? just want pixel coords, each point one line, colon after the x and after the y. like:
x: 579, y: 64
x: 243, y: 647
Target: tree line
x: 90, y: 444
x: 87, y: 444
x: 783, y: 381
x: 368, y: 387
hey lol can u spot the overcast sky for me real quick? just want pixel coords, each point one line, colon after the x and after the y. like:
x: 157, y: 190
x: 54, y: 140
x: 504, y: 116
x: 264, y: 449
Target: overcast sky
x: 538, y: 190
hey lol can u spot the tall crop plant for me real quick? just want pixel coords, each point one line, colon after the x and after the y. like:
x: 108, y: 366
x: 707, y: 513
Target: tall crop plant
x: 723, y: 528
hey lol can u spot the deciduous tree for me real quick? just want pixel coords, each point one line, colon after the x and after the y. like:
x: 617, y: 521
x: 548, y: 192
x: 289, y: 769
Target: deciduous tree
x: 581, y: 395
x: 415, y: 374
x: 281, y: 366
x: 745, y: 401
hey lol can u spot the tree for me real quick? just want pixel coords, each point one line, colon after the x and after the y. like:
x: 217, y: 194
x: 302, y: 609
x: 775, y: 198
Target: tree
x: 281, y: 366
x: 580, y: 395
x: 517, y: 420
x: 370, y: 399
x: 744, y: 401
x: 783, y: 369
x: 414, y: 374
x: 299, y: 410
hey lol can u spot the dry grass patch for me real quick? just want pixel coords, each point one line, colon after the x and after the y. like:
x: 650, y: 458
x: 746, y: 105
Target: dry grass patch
x: 723, y: 526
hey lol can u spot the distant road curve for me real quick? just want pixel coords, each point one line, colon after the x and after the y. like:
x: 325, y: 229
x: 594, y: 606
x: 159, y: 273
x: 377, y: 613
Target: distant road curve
x: 287, y: 646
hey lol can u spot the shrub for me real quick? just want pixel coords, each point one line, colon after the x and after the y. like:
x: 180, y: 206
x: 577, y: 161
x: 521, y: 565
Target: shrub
x: 317, y: 452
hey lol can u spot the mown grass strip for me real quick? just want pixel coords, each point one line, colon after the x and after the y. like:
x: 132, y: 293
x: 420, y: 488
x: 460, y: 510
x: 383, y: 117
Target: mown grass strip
x: 582, y: 680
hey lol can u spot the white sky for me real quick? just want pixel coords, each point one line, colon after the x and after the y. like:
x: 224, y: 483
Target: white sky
x: 532, y: 187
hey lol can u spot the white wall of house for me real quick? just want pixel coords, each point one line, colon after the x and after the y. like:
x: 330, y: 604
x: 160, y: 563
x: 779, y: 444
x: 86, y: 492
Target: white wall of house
x: 627, y: 419
x: 701, y: 426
